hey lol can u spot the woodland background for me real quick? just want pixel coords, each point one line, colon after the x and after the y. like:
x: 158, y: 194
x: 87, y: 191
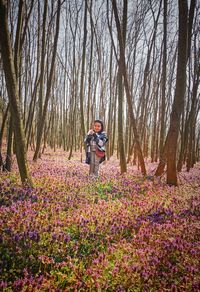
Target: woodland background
x: 133, y: 64
x: 136, y: 65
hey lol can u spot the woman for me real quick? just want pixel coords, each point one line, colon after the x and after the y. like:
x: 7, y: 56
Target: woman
x: 95, y: 147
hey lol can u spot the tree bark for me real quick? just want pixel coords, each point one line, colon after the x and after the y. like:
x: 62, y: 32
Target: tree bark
x: 126, y: 84
x: 41, y: 79
x: 122, y: 155
x: 163, y: 81
x: 12, y: 88
x: 49, y: 85
x: 170, y: 147
x: 83, y: 71
x: 2, y: 132
x: 7, y: 166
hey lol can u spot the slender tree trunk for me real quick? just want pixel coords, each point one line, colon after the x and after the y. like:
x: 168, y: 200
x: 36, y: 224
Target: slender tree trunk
x: 90, y: 70
x: 12, y: 88
x: 17, y: 39
x: 192, y: 121
x: 41, y: 79
x: 114, y: 122
x: 146, y: 79
x: 110, y: 113
x: 122, y: 155
x: 170, y: 147
x: 128, y: 95
x: 49, y: 85
x: 83, y: 71
x: 2, y: 132
x: 8, y: 162
x: 154, y: 126
x: 178, y: 104
x: 186, y: 125
x: 164, y: 71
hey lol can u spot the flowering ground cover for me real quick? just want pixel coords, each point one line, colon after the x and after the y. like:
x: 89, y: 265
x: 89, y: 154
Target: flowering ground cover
x: 117, y: 233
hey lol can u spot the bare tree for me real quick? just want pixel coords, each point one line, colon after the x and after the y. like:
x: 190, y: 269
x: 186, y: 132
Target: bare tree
x: 83, y: 70
x: 128, y: 95
x: 170, y: 148
x: 12, y: 88
x: 49, y: 82
x: 122, y: 155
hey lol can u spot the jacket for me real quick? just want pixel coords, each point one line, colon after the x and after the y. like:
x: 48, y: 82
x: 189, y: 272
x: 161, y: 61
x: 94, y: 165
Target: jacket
x: 101, y: 139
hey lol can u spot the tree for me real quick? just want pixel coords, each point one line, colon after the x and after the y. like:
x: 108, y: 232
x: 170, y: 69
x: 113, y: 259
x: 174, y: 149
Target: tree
x: 2, y: 132
x: 12, y: 88
x: 170, y: 147
x: 49, y: 85
x: 122, y: 155
x: 83, y: 71
x: 126, y: 84
x: 41, y: 79
x: 164, y: 72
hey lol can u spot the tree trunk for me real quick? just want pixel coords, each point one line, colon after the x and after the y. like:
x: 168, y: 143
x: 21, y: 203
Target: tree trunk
x: 122, y: 155
x: 191, y: 120
x: 170, y: 147
x: 2, y: 132
x: 7, y: 166
x: 49, y: 85
x: 128, y: 95
x: 41, y: 79
x: 12, y: 88
x: 163, y: 82
x: 83, y: 71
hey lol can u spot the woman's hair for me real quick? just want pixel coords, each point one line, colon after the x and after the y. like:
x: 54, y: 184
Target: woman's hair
x: 100, y: 122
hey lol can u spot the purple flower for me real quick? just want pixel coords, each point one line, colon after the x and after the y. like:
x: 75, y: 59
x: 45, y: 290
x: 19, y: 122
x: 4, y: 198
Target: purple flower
x: 8, y: 230
x: 17, y: 237
x: 1, y: 238
x: 3, y: 285
x: 54, y: 236
x: 67, y: 238
x: 34, y: 235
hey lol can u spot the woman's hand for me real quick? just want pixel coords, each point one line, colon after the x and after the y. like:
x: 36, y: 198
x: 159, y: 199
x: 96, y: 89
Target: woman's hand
x: 90, y: 132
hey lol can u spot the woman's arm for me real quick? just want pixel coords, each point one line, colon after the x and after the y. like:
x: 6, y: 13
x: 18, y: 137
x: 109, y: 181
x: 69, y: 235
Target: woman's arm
x: 101, y: 139
x: 88, y: 136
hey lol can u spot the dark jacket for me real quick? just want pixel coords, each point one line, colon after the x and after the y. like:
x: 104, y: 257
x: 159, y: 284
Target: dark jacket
x: 100, y: 139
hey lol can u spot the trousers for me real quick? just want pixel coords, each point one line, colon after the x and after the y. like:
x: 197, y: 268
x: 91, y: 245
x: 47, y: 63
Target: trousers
x: 94, y: 164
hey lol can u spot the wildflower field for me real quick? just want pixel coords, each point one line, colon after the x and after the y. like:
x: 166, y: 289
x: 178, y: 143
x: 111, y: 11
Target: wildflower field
x: 117, y: 233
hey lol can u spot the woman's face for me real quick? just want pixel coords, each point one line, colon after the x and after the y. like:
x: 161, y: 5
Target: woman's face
x: 97, y: 127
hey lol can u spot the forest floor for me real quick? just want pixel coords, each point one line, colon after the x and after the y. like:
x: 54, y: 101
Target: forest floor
x: 117, y: 233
